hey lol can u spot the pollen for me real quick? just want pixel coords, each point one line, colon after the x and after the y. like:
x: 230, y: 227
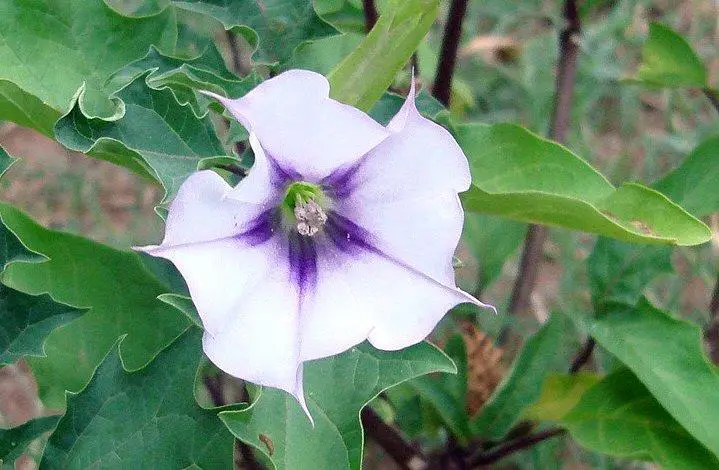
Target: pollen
x: 310, y: 217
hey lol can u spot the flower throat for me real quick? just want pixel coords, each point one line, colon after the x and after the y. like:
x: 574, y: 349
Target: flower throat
x: 303, y: 201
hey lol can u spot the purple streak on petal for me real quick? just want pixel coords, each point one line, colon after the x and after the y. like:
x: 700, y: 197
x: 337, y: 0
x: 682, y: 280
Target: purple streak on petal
x: 281, y: 176
x: 346, y: 235
x: 340, y: 183
x: 303, y: 261
x: 261, y: 228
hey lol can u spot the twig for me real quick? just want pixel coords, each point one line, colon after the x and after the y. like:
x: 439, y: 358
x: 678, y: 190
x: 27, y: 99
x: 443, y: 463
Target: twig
x: 406, y: 456
x: 450, y: 44
x: 214, y: 388
x: 233, y: 169
x: 487, y: 457
x: 234, y: 52
x: 370, y: 14
x: 712, y: 333
x: 713, y: 97
x: 583, y: 356
x: 566, y: 72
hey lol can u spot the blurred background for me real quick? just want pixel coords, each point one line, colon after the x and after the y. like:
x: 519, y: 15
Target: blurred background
x: 505, y: 73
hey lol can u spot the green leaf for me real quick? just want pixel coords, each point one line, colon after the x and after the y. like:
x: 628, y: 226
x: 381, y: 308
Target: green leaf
x: 693, y: 184
x: 447, y: 393
x: 667, y: 355
x: 337, y: 388
x: 274, y: 27
x: 520, y: 176
x: 25, y: 109
x: 12, y: 250
x: 157, y: 137
x: 14, y: 441
x: 619, y: 272
x: 113, y: 284
x: 669, y: 61
x: 206, y: 72
x: 491, y: 240
x: 6, y: 161
x: 560, y: 393
x: 522, y: 385
x: 618, y: 416
x: 48, y: 50
x: 145, y: 419
x: 184, y: 304
x: 365, y: 74
x: 25, y: 322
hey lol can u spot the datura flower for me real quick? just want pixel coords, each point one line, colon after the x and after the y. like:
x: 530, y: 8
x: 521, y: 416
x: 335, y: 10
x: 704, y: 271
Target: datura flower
x: 343, y: 231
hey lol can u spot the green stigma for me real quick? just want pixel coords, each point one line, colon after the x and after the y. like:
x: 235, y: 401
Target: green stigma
x: 303, y: 203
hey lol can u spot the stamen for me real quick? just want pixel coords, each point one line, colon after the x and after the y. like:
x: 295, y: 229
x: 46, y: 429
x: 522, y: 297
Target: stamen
x: 310, y: 217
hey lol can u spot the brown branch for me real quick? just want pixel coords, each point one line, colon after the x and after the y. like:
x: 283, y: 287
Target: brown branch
x: 583, y: 356
x: 712, y: 333
x: 370, y: 14
x: 713, y: 97
x: 406, y: 456
x: 233, y: 169
x: 214, y: 388
x: 482, y: 458
x: 448, y: 57
x: 566, y: 73
x: 234, y: 52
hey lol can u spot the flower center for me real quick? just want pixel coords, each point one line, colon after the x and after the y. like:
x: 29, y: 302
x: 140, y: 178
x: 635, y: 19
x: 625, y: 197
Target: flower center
x: 301, y: 200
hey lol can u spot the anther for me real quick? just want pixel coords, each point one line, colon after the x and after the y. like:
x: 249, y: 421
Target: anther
x: 310, y: 217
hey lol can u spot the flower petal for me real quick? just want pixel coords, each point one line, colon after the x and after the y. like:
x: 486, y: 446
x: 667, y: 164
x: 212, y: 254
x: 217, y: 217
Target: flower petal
x: 419, y: 157
x: 301, y: 127
x: 201, y: 212
x: 405, y: 193
x: 361, y: 293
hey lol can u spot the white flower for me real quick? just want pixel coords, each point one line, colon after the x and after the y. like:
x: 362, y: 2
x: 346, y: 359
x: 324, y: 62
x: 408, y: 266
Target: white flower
x: 343, y: 231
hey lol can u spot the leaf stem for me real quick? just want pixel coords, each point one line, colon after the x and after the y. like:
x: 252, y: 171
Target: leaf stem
x: 482, y: 458
x: 234, y: 52
x: 713, y: 97
x: 566, y: 74
x: 405, y: 455
x: 450, y: 44
x: 370, y: 14
x: 712, y: 333
x: 583, y: 356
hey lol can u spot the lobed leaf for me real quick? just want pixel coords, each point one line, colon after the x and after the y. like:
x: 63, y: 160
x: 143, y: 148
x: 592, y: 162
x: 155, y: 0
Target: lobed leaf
x: 144, y: 419
x: 26, y: 321
x: 274, y: 27
x: 121, y: 296
x: 49, y: 50
x: 157, y: 137
x: 15, y: 441
x: 337, y: 388
x: 520, y: 176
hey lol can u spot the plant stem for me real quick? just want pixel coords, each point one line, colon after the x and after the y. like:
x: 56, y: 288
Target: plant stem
x: 370, y: 14
x: 566, y: 74
x: 450, y: 44
x: 712, y: 333
x: 583, y: 356
x: 406, y: 456
x: 713, y: 97
x: 233, y: 169
x: 481, y: 458
x: 234, y: 52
